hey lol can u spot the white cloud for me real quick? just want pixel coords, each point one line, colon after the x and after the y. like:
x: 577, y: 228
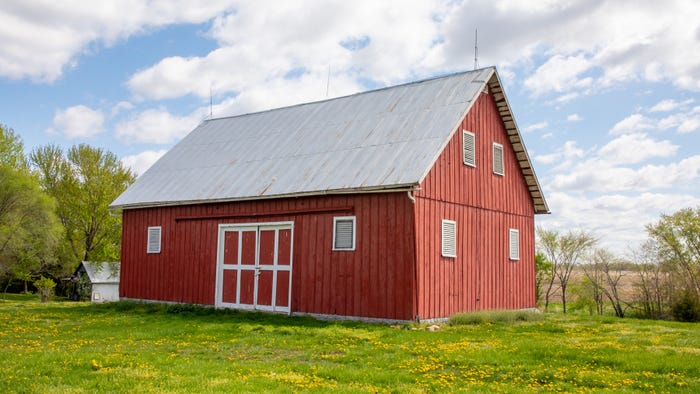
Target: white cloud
x: 535, y: 126
x: 260, y: 44
x: 635, y: 148
x: 634, y: 123
x: 618, y: 220
x: 560, y: 74
x: 574, y: 118
x: 670, y: 105
x: 608, y: 41
x: 564, y: 157
x: 41, y: 38
x: 140, y: 162
x: 121, y: 106
x: 77, y: 122
x: 158, y: 126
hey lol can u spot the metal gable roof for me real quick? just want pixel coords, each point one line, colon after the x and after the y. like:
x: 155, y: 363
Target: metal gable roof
x: 377, y: 140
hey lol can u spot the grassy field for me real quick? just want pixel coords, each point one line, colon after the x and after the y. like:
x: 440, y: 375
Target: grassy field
x: 78, y: 347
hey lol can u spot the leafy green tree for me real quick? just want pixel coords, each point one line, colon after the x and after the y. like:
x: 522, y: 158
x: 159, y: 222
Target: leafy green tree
x: 28, y: 226
x: 11, y: 149
x: 84, y: 181
x: 678, y: 245
x: 564, y: 251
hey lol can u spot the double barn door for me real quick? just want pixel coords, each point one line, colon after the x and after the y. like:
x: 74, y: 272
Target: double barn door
x: 254, y: 266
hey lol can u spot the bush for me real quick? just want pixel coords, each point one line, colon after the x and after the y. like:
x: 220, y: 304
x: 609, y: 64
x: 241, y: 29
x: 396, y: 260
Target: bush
x: 687, y: 308
x: 45, y: 287
x: 499, y: 316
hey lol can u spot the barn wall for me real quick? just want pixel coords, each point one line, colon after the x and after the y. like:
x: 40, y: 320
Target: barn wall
x: 485, y: 206
x: 375, y: 280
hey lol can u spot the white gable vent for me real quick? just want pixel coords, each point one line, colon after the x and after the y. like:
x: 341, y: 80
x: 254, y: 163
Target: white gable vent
x: 498, y: 159
x: 469, y: 148
x: 344, y: 233
x: 153, y: 245
x: 514, y: 242
x: 449, y: 238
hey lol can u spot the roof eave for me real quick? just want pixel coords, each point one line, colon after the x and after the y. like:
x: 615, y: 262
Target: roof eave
x: 516, y: 141
x: 361, y: 190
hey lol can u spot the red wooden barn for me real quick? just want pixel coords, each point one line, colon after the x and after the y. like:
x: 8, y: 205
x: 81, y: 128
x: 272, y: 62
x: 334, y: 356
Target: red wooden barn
x: 411, y: 202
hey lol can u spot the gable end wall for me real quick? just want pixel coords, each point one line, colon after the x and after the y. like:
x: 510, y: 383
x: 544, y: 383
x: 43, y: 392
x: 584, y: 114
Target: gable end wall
x: 485, y: 206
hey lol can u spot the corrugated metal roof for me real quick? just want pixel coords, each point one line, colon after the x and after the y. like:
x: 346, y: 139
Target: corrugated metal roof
x: 106, y: 272
x: 381, y: 139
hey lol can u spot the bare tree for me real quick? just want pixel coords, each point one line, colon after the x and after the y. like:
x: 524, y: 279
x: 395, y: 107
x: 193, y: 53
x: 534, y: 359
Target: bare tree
x: 655, y: 284
x: 605, y: 272
x: 564, y: 252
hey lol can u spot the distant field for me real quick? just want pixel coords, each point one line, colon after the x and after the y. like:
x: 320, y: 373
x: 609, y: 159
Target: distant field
x: 124, y: 347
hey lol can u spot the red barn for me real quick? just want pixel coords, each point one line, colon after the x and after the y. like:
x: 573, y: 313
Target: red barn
x: 411, y: 202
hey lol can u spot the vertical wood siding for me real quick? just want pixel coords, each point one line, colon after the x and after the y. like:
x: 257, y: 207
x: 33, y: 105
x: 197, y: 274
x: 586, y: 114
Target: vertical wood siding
x: 374, y: 280
x: 485, y: 206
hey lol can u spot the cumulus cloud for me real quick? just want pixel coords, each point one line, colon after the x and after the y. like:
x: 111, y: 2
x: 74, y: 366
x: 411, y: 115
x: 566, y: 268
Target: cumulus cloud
x: 670, y: 105
x: 77, y: 122
x: 604, y: 42
x: 618, y: 220
x: 574, y: 118
x: 140, y: 162
x: 633, y: 123
x: 158, y: 126
x: 41, y: 38
x: 252, y: 54
x: 636, y: 148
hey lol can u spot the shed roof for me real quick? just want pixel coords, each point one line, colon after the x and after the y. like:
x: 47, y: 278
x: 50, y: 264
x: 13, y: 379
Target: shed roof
x: 385, y: 139
x: 104, y: 272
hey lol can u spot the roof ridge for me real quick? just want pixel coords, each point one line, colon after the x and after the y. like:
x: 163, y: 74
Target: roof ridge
x: 429, y: 79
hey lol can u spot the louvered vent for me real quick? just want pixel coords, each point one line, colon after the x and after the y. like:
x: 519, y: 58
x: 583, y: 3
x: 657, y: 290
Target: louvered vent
x: 514, y: 244
x: 449, y: 238
x: 498, y: 159
x: 344, y: 233
x: 469, y: 148
x: 153, y: 240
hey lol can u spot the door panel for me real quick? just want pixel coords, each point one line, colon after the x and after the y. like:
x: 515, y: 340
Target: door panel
x: 282, y: 293
x: 231, y: 247
x: 284, y: 249
x: 265, y: 279
x: 247, y: 295
x: 267, y: 247
x: 230, y: 285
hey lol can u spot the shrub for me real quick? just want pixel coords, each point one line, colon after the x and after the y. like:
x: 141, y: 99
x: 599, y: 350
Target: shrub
x: 687, y: 308
x: 45, y: 287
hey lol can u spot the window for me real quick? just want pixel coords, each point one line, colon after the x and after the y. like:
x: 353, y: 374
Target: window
x: 469, y: 148
x: 344, y: 233
x: 497, y: 159
x: 449, y: 238
x: 153, y: 240
x: 514, y: 242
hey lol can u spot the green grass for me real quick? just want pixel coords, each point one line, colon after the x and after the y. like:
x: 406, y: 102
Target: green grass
x: 127, y: 347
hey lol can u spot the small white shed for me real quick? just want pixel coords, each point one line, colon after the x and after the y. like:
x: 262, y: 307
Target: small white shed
x: 103, y: 278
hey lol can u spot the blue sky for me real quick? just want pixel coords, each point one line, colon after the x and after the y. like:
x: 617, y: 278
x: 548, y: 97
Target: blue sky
x: 606, y: 93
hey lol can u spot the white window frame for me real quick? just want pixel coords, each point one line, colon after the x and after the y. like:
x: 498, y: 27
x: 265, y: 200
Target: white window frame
x: 514, y: 235
x: 354, y: 232
x: 467, y: 134
x: 152, y: 233
x: 496, y: 164
x: 445, y: 252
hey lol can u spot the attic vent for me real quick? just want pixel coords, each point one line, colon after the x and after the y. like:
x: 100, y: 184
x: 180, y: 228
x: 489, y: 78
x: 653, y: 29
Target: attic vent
x: 449, y: 238
x: 344, y: 233
x: 153, y: 240
x: 498, y: 159
x: 468, y: 148
x: 514, y: 243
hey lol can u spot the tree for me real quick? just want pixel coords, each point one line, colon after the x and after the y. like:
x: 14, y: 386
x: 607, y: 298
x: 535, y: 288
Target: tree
x: 678, y: 240
x: 543, y: 273
x: 28, y: 226
x: 604, y: 273
x: 11, y: 149
x: 84, y: 182
x: 564, y: 252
